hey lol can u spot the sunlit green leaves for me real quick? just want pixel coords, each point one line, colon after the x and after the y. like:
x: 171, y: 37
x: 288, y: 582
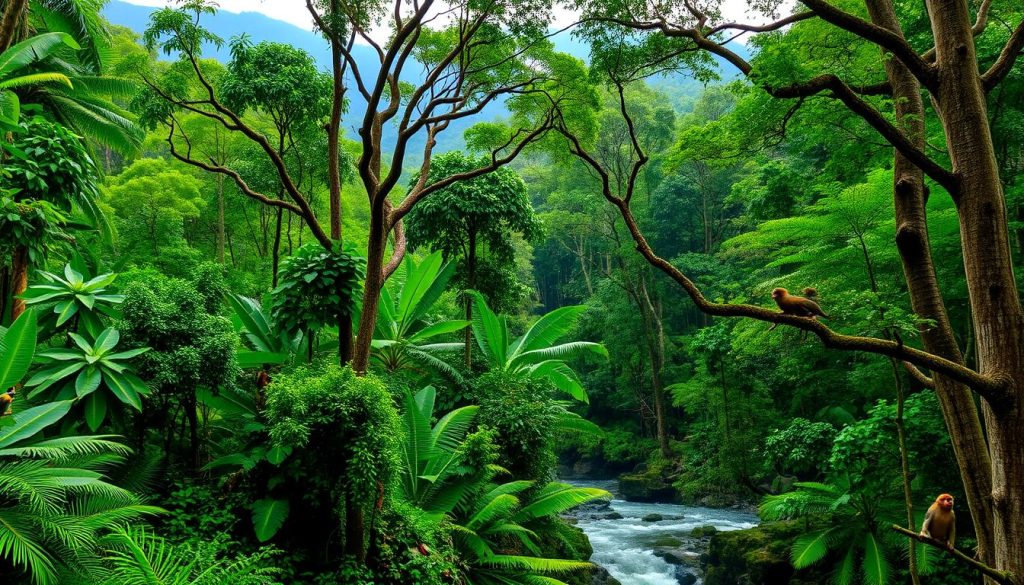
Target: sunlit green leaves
x: 81, y: 370
x: 536, y: 354
x: 71, y: 294
x: 316, y: 288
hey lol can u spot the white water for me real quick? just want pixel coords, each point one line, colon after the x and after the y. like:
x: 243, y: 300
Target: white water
x: 624, y: 546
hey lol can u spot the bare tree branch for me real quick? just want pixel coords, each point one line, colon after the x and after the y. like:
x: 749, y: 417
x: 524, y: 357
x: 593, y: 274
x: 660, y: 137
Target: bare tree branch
x: 918, y: 375
x: 213, y: 167
x: 1007, y: 59
x: 995, y: 390
x: 763, y: 27
x: 232, y: 121
x: 872, y: 116
x: 1001, y: 577
x: 884, y: 38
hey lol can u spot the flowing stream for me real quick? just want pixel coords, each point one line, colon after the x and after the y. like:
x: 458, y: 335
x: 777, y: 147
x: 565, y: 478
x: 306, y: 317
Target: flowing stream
x: 625, y: 547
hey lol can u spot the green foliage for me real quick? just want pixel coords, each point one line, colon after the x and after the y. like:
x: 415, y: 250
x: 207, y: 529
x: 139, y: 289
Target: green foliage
x: 432, y: 471
x: 177, y: 30
x: 856, y: 527
x: 153, y: 200
x: 81, y: 370
x: 190, y: 346
x: 31, y: 223
x: 317, y: 287
x: 197, y: 512
x: 492, y: 517
x: 73, y: 295
x: 473, y: 217
x: 868, y: 450
x: 54, y: 499
x: 524, y: 416
x: 276, y: 78
x: 344, y: 430
x: 404, y: 337
x: 801, y: 448
x: 14, y: 72
x: 267, y: 344
x: 137, y: 557
x: 17, y: 346
x: 535, y: 355
x: 52, y: 165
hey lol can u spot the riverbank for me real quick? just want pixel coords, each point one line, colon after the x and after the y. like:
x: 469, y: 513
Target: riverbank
x: 652, y: 543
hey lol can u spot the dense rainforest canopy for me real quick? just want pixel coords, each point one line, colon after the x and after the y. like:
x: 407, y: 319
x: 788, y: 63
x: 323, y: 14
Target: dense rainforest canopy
x: 375, y: 315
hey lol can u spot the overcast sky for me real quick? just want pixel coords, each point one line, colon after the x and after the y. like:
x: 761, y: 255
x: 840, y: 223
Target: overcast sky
x: 294, y: 11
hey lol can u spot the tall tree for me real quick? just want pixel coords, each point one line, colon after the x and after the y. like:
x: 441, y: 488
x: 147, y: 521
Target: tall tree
x: 483, y: 54
x: 958, y: 80
x: 472, y: 217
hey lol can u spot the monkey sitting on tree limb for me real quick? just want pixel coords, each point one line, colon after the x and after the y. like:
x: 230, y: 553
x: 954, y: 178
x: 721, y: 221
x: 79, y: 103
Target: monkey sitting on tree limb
x: 799, y: 306
x: 940, y: 521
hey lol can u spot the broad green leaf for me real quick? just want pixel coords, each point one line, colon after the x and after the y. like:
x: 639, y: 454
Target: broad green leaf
x: 124, y: 355
x: 278, y: 453
x: 88, y: 381
x: 876, y: 566
x: 268, y: 516
x: 810, y: 548
x: 29, y: 422
x: 16, y: 349
x: 126, y: 387
x: 106, y: 340
x: 95, y: 410
x: 438, y: 329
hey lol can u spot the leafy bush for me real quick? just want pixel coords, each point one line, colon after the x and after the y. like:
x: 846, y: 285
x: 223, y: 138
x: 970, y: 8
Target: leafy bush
x: 317, y: 287
x: 344, y: 431
x: 523, y: 414
x: 800, y: 449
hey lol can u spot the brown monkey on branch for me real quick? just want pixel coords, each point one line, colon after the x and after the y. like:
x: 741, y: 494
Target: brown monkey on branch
x: 940, y: 521
x: 799, y: 306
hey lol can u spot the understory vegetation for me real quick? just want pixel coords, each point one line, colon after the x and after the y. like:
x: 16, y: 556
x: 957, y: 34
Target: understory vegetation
x: 361, y: 317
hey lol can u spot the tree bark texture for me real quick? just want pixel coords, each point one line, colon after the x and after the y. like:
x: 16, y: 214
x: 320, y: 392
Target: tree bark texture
x: 376, y: 247
x: 12, y: 15
x: 910, y: 197
x: 984, y: 232
x: 19, y: 280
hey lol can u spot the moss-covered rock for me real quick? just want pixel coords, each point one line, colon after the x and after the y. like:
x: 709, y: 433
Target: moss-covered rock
x: 758, y: 556
x: 653, y: 518
x: 703, y: 531
x: 646, y: 487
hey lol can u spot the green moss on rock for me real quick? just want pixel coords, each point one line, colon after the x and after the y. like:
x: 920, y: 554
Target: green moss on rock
x: 758, y: 556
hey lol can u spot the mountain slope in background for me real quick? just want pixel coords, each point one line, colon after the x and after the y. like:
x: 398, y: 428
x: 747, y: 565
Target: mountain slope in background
x: 259, y: 27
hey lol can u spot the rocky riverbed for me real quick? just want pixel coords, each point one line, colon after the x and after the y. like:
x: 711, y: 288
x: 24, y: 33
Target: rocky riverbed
x: 652, y: 544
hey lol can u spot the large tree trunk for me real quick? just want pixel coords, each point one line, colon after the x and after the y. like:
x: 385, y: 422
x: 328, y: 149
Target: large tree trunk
x: 910, y: 197
x: 334, y: 133
x: 19, y: 280
x: 984, y: 232
x: 376, y: 247
x: 9, y: 22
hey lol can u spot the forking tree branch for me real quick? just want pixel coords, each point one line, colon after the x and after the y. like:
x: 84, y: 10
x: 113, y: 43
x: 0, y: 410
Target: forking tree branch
x: 1007, y: 58
x: 830, y: 84
x: 992, y: 389
x: 215, y: 167
x: 232, y: 121
x: 1001, y: 577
